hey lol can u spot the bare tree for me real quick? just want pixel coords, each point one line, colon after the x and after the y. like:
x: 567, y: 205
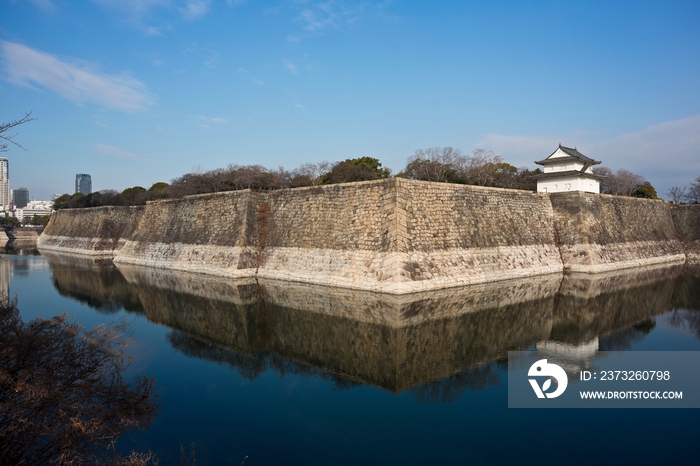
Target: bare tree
x: 214, y: 180
x: 63, y: 399
x: 606, y: 184
x: 7, y: 139
x: 693, y: 194
x: 676, y: 194
x: 435, y: 164
x: 479, y: 169
x: 621, y: 183
x: 311, y: 173
x: 626, y: 182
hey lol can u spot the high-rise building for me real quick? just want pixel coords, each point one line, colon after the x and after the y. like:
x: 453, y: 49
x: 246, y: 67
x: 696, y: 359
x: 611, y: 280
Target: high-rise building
x: 4, y: 183
x: 20, y: 197
x: 83, y: 183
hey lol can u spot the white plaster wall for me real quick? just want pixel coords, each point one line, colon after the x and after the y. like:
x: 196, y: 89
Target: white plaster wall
x: 560, y: 167
x: 564, y: 184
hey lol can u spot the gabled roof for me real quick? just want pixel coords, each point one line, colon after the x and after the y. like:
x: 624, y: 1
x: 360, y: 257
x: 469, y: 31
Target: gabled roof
x: 573, y: 154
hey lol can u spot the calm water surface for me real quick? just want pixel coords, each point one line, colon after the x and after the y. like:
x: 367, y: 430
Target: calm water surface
x: 293, y: 374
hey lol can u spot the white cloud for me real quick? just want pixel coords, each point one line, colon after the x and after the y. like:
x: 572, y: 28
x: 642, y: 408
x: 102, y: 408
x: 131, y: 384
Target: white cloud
x: 205, y: 122
x: 665, y: 153
x: 115, y: 152
x: 212, y: 61
x: 524, y: 150
x: 672, y: 142
x: 321, y: 17
x: 258, y: 82
x: 195, y: 9
x: 47, y: 6
x: 300, y: 106
x: 318, y: 17
x: 136, y: 12
x: 78, y: 82
x: 290, y: 66
x: 155, y: 16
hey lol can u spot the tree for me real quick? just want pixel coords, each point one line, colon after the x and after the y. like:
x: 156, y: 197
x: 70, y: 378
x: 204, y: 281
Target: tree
x: 159, y: 190
x: 627, y: 182
x: 158, y: 187
x: 7, y: 139
x: 360, y: 169
x: 606, y: 184
x: 61, y: 202
x: 676, y: 194
x: 434, y: 164
x: 41, y: 220
x: 646, y: 191
x: 9, y: 222
x: 693, y: 194
x: 480, y: 168
x: 483, y: 168
x: 621, y: 183
x: 134, y: 196
x: 63, y: 399
x: 309, y: 174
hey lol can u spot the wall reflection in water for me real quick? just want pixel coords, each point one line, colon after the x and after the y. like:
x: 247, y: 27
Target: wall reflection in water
x: 436, y: 344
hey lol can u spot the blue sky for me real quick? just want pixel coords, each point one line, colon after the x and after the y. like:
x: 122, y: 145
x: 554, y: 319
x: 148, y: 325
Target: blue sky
x: 139, y: 91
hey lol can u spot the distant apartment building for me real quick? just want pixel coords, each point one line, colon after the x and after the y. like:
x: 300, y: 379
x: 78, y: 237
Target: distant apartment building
x: 20, y: 197
x: 83, y: 183
x: 4, y: 183
x: 40, y: 208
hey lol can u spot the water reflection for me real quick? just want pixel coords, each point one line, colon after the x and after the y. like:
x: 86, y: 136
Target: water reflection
x: 437, y: 344
x: 16, y: 267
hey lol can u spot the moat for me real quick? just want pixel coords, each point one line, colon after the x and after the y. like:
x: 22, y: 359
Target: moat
x: 293, y: 373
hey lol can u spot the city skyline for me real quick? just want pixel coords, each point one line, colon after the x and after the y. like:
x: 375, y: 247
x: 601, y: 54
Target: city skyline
x: 140, y: 92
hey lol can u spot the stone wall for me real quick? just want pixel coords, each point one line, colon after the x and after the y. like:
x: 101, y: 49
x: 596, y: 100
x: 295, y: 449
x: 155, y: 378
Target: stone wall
x: 20, y: 238
x: 99, y: 231
x: 687, y: 221
x: 393, y: 236
x: 24, y: 233
x: 455, y: 235
x: 205, y: 233
x: 599, y: 232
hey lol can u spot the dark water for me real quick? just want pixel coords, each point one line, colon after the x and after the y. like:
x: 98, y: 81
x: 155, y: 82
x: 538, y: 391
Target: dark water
x: 288, y: 374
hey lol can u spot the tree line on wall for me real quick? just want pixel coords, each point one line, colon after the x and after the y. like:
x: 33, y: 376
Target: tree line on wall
x: 442, y: 164
x: 438, y: 164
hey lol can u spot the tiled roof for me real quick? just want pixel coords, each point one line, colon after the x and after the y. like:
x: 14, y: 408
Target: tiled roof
x: 573, y: 153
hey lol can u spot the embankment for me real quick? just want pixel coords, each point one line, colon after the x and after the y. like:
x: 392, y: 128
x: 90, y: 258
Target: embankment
x: 98, y: 231
x: 687, y: 221
x: 598, y: 232
x: 20, y: 238
x: 393, y: 236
